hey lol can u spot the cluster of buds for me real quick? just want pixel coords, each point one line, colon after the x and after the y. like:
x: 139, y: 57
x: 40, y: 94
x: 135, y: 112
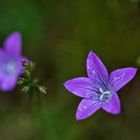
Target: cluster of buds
x: 27, y: 81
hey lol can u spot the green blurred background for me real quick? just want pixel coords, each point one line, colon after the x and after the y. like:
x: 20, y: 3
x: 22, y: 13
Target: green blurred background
x: 57, y: 35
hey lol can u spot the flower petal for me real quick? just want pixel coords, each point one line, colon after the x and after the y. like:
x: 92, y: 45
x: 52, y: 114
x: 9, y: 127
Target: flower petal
x: 7, y: 84
x: 121, y: 77
x: 2, y: 54
x: 13, y: 44
x: 82, y: 87
x: 96, y: 68
x: 112, y: 105
x: 86, y: 108
x: 3, y: 58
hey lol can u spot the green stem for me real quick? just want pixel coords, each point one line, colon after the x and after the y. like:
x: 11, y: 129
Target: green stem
x: 30, y: 96
x: 39, y: 100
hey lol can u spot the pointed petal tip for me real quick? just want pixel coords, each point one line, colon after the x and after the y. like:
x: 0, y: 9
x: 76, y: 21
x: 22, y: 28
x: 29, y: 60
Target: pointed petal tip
x: 133, y: 68
x: 15, y: 34
x: 83, y: 117
x: 65, y: 84
x: 13, y: 44
x: 8, y: 84
x: 79, y: 118
x: 113, y: 112
x: 133, y: 71
x: 91, y: 53
x: 116, y: 112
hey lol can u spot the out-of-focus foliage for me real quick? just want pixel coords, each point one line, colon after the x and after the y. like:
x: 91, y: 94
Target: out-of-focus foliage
x: 58, y: 35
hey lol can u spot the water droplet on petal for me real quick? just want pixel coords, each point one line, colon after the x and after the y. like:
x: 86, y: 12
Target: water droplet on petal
x: 84, y: 107
x: 93, y: 72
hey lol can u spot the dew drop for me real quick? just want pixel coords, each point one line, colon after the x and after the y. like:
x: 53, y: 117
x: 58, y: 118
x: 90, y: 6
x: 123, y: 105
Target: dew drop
x: 84, y: 107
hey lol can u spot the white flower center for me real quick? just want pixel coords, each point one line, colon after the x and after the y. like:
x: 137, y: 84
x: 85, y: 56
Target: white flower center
x: 105, y: 95
x: 10, y: 67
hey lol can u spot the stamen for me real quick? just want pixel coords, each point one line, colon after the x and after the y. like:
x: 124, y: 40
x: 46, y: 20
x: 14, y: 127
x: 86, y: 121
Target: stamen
x: 105, y: 95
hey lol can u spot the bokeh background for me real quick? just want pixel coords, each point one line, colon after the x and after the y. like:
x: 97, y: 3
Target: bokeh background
x: 57, y: 35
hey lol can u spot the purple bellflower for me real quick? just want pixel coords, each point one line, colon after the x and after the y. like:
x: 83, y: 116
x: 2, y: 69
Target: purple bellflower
x: 99, y: 90
x: 11, y: 62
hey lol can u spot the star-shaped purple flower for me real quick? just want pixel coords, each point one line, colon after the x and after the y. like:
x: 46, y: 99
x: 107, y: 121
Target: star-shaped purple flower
x: 99, y: 90
x: 11, y: 62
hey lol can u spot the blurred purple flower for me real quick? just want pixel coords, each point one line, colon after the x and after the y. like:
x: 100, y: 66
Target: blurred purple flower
x: 10, y: 62
x: 99, y: 90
